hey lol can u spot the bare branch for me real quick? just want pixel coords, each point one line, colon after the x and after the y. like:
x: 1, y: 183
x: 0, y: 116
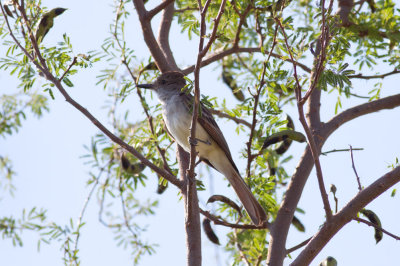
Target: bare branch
x: 254, y: 119
x: 347, y: 214
x: 302, y: 244
x: 354, y: 168
x: 381, y: 76
x: 151, y: 42
x: 157, y: 9
x: 163, y: 34
x: 389, y: 102
x: 192, y: 212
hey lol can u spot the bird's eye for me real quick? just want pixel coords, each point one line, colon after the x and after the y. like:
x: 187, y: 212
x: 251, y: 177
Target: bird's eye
x: 163, y: 81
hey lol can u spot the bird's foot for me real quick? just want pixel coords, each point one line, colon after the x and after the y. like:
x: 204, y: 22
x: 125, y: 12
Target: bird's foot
x: 193, y: 141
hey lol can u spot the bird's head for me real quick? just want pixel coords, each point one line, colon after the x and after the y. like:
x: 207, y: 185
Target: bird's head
x: 59, y: 10
x: 168, y: 81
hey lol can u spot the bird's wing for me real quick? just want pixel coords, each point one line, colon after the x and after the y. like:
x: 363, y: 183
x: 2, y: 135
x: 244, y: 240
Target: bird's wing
x: 207, y: 121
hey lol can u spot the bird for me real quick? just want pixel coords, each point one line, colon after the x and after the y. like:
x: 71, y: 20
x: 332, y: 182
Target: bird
x: 46, y: 23
x: 211, y: 145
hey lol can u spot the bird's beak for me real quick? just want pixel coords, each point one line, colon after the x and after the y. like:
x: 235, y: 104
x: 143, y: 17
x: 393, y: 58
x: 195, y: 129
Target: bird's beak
x: 146, y: 86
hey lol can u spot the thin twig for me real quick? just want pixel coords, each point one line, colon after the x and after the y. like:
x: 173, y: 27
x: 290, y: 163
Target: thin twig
x: 256, y: 97
x: 302, y: 244
x: 96, y: 182
x: 239, y: 247
x: 380, y: 76
x: 233, y: 118
x: 354, y: 168
x: 68, y: 69
x: 250, y: 158
x: 218, y: 221
x: 340, y: 150
x: 310, y: 137
x: 376, y: 227
x: 124, y: 211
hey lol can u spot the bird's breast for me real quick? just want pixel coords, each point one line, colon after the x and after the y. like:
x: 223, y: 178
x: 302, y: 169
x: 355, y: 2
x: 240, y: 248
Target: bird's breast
x: 177, y: 120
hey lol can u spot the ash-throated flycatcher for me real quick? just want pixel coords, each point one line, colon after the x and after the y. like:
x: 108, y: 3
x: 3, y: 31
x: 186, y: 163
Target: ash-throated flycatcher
x: 211, y: 144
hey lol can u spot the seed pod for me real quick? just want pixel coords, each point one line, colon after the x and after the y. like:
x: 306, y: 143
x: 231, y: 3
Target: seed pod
x: 228, y: 79
x: 225, y: 200
x: 130, y: 168
x: 286, y: 142
x: 299, y: 226
x: 162, y: 185
x: 282, y: 135
x: 373, y: 218
x: 209, y: 231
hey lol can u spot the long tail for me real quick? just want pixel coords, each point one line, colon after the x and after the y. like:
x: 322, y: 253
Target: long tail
x: 250, y: 203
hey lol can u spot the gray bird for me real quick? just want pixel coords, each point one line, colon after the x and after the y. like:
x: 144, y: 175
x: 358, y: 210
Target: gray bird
x: 211, y: 144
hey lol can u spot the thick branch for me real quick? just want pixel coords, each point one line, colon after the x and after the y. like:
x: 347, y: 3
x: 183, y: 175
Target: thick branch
x: 389, y: 102
x: 285, y: 214
x: 192, y: 212
x: 149, y: 38
x: 158, y: 8
x: 163, y: 34
x: 329, y: 229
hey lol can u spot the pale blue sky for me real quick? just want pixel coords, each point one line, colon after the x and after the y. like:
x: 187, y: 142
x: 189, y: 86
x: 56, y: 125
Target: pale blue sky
x: 46, y: 155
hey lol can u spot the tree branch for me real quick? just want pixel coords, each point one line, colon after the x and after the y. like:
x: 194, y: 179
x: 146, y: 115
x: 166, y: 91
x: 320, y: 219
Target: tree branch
x: 344, y: 216
x: 221, y: 54
x: 151, y: 42
x: 218, y: 221
x: 163, y: 34
x: 233, y: 118
x: 192, y: 212
x: 379, y: 76
x: 376, y: 227
x: 389, y: 102
x: 284, y: 217
x: 157, y: 9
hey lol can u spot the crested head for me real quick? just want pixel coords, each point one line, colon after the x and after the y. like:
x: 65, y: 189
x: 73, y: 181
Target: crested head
x: 167, y: 85
x: 170, y: 80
